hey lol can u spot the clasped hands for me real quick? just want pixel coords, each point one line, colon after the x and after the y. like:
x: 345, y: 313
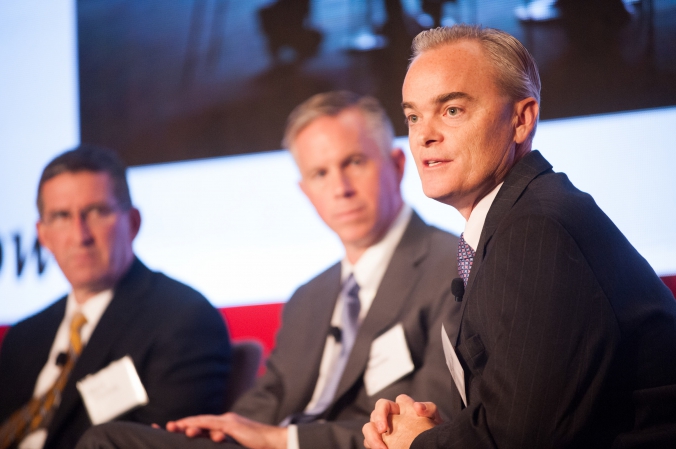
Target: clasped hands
x: 248, y: 433
x: 394, y: 425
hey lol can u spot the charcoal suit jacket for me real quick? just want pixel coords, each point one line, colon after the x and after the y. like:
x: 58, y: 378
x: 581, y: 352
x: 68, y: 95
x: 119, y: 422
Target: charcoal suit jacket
x: 567, y: 337
x: 177, y: 340
x: 415, y: 291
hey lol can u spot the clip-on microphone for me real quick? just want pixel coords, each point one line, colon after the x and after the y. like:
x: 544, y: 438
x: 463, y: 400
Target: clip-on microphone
x: 458, y: 289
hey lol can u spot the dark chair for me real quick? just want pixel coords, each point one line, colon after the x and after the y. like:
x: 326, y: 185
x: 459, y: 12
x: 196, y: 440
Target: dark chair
x: 246, y: 358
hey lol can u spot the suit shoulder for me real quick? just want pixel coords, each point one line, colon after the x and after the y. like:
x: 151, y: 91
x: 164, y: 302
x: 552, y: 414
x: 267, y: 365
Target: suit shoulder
x: 553, y: 194
x: 442, y: 240
x: 173, y: 290
x: 320, y: 281
x: 176, y: 300
x: 51, y: 313
x: 319, y: 288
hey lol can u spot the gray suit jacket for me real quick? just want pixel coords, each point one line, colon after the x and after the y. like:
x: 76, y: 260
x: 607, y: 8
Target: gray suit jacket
x: 415, y: 291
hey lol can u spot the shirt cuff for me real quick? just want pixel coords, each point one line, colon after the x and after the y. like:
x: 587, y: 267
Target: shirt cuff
x: 292, y: 437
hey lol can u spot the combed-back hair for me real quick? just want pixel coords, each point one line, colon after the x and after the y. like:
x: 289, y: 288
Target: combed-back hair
x: 517, y: 73
x: 333, y: 103
x: 89, y: 158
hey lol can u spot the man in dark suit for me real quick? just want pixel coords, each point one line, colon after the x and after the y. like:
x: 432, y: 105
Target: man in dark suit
x: 177, y: 341
x: 316, y: 391
x: 567, y: 337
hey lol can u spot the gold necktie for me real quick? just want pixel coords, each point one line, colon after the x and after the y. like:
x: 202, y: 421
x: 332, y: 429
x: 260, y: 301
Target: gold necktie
x: 39, y: 411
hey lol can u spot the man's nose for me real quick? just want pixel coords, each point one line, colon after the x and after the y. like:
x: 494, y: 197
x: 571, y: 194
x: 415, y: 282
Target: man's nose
x: 427, y: 133
x: 82, y: 229
x: 342, y: 185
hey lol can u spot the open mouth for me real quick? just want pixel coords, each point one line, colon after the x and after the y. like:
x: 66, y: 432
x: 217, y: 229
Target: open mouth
x: 434, y: 163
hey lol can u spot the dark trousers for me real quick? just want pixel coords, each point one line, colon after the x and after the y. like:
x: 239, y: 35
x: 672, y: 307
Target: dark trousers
x: 128, y: 435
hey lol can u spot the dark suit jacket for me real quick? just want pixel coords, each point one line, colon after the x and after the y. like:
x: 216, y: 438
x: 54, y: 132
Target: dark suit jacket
x: 414, y: 291
x: 178, y: 342
x: 568, y: 338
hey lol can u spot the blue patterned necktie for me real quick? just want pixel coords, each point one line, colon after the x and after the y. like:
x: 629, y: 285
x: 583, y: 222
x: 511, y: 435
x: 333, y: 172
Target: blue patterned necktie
x: 465, y: 258
x: 349, y: 296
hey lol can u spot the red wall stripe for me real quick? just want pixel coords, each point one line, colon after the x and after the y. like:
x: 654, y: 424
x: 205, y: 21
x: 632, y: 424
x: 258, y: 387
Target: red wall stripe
x: 671, y: 283
x: 260, y: 322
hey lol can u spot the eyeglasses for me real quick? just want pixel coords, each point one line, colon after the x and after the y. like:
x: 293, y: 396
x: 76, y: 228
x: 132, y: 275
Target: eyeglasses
x: 93, y: 215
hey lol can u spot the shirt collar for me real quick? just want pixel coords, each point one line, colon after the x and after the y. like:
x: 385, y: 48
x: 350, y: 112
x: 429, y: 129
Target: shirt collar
x: 92, y: 309
x: 477, y: 217
x: 370, y: 268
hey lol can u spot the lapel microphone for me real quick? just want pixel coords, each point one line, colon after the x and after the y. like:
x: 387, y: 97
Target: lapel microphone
x: 458, y: 289
x: 61, y: 359
x: 336, y: 333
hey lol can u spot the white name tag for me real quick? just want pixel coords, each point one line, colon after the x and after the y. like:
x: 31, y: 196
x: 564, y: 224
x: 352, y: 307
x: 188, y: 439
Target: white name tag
x: 454, y: 365
x: 114, y: 390
x: 389, y: 361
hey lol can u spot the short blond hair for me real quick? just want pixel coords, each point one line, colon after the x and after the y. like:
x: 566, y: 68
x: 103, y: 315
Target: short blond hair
x: 333, y: 103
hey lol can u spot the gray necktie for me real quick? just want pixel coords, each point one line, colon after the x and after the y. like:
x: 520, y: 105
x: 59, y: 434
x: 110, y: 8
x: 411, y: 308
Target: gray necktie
x: 349, y: 295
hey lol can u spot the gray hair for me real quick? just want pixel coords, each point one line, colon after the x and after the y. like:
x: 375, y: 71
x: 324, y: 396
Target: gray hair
x: 333, y: 103
x: 517, y: 72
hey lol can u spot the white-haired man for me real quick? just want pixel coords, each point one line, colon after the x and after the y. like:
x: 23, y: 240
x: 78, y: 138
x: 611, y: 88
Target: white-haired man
x: 567, y: 337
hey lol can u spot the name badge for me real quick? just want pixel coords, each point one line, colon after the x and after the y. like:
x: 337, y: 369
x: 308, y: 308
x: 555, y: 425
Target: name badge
x: 112, y: 391
x: 454, y: 365
x: 389, y: 360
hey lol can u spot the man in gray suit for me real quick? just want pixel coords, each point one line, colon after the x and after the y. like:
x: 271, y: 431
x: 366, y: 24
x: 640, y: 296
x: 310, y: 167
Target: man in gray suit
x: 368, y: 327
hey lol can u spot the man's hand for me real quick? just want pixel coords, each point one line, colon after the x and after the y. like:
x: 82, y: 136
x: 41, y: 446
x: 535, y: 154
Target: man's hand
x: 248, y: 433
x: 395, y: 425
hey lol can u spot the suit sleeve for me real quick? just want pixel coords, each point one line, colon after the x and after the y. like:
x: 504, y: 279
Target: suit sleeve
x: 267, y: 400
x: 186, y: 370
x: 13, y: 392
x: 262, y: 402
x: 538, y: 341
x: 431, y: 302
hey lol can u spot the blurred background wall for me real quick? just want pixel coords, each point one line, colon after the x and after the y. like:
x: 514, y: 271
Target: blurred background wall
x: 193, y: 94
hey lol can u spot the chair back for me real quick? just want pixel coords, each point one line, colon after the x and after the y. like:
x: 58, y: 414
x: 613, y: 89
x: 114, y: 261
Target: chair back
x: 246, y: 358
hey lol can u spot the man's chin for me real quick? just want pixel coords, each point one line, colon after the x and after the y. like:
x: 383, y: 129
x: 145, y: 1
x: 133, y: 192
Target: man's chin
x: 89, y: 280
x: 362, y: 236
x: 443, y: 196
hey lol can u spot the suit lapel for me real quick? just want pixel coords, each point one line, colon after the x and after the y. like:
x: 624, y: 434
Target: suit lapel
x: 95, y: 355
x: 399, y: 280
x: 304, y: 371
x: 43, y: 339
x: 527, y: 169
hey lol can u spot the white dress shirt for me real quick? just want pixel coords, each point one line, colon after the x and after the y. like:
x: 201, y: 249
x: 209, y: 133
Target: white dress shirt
x: 477, y: 217
x: 92, y: 309
x: 368, y: 272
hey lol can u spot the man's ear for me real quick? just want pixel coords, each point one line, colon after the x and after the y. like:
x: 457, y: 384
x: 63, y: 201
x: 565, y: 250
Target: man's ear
x: 399, y: 160
x: 525, y: 118
x: 302, y: 186
x: 43, y: 235
x: 134, y: 216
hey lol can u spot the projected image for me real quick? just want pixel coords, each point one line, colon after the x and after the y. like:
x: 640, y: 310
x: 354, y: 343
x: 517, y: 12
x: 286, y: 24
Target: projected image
x: 186, y: 80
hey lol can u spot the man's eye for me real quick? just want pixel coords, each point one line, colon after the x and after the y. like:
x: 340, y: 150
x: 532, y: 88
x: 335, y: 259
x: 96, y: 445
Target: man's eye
x: 102, y: 210
x: 98, y: 211
x: 411, y: 119
x: 452, y: 111
x: 59, y: 216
